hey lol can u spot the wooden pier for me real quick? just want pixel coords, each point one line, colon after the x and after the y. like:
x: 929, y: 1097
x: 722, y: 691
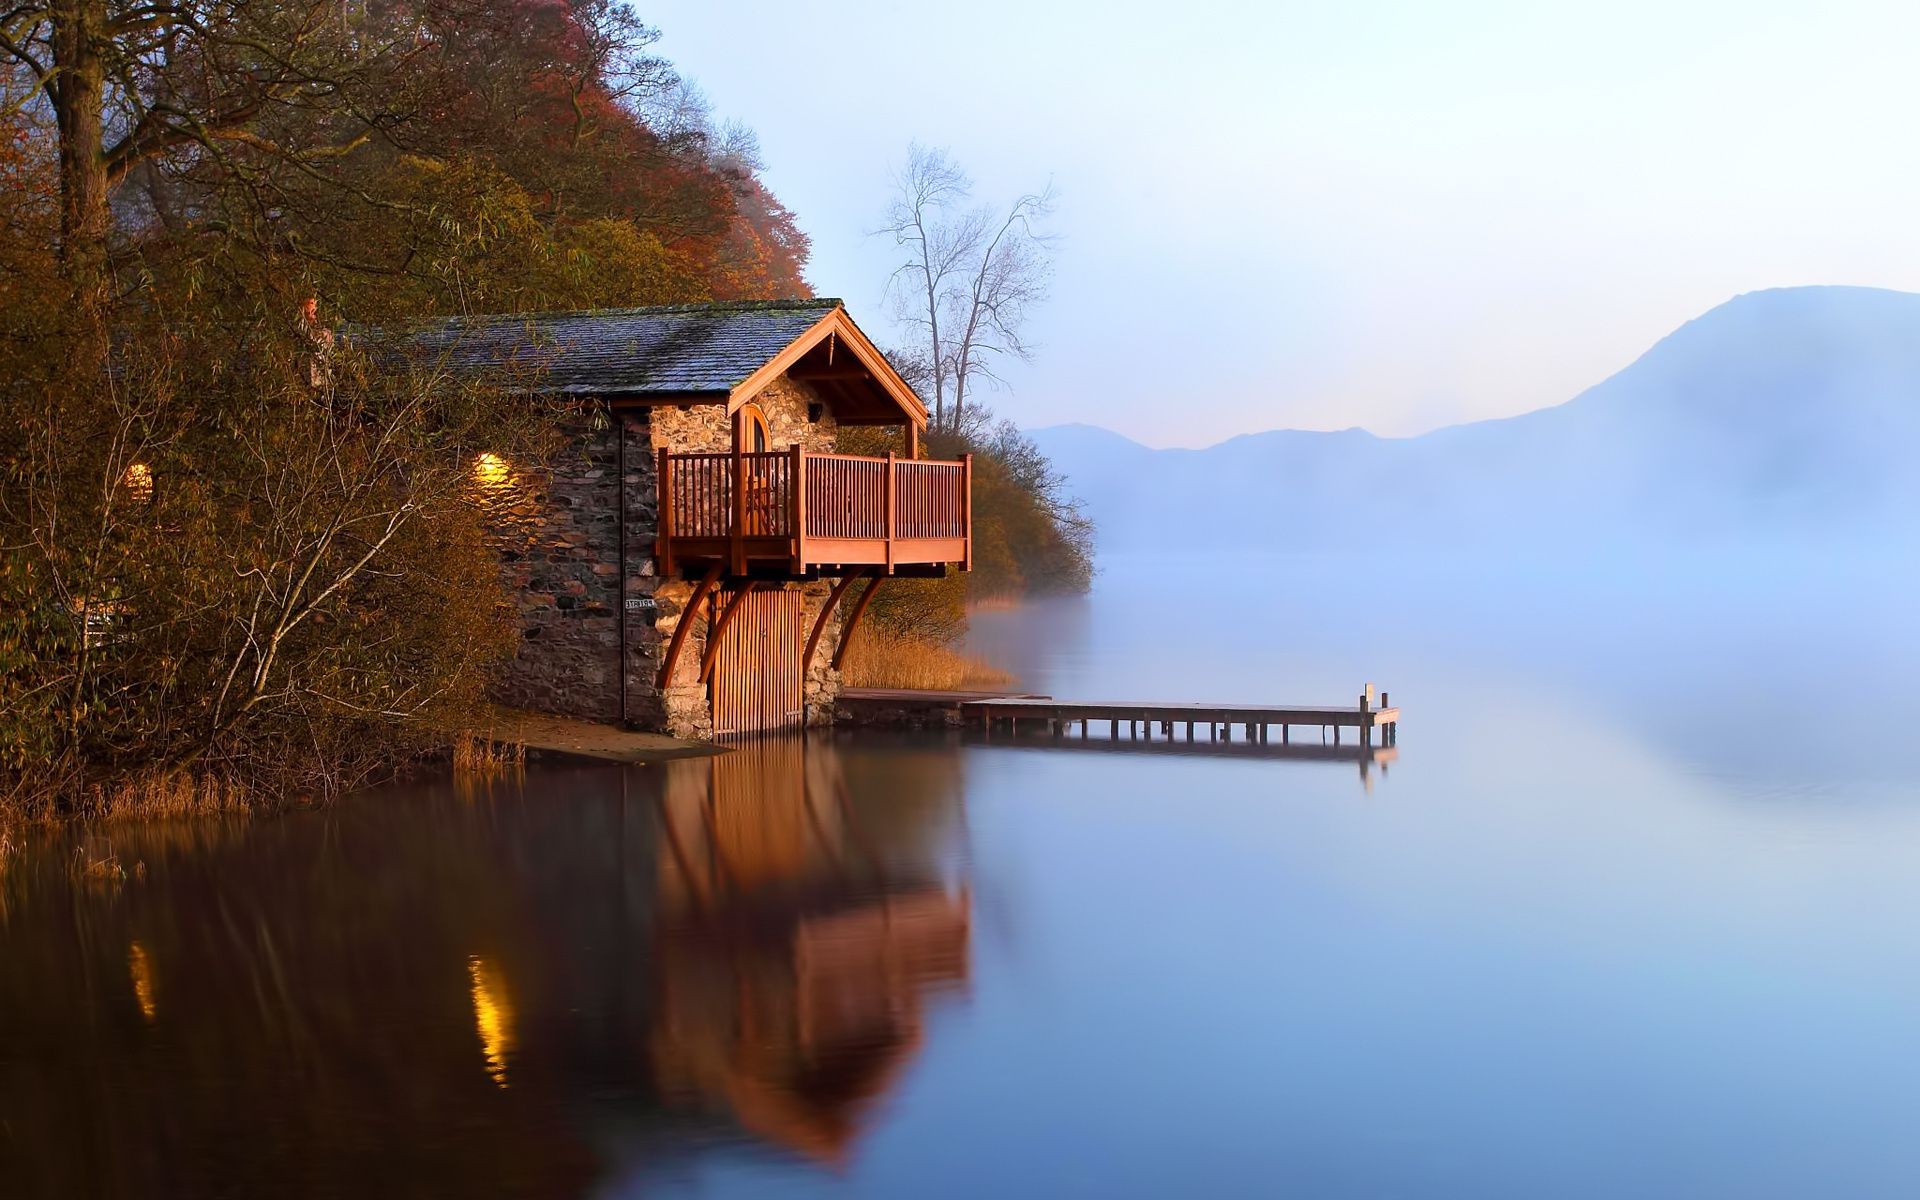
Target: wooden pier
x: 1137, y: 721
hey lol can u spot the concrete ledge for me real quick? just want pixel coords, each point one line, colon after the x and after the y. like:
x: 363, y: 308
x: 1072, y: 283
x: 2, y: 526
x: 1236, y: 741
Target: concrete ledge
x: 548, y: 737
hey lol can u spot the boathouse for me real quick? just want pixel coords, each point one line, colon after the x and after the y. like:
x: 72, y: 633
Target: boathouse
x: 695, y: 557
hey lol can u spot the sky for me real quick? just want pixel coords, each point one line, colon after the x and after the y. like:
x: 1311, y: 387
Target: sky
x: 1324, y: 215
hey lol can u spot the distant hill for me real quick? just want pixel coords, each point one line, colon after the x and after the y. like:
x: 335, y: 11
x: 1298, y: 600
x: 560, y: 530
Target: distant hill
x: 1784, y: 413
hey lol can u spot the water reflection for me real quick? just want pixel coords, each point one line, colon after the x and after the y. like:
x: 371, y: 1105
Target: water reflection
x: 586, y: 982
x: 492, y: 1016
x: 1366, y: 759
x: 793, y: 958
x: 140, y: 969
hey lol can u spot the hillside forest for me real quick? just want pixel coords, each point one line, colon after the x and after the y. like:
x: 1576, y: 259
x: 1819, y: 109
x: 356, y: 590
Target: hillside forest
x: 227, y: 576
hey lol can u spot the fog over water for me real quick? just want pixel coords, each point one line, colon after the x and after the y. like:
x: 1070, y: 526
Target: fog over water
x: 1628, y: 914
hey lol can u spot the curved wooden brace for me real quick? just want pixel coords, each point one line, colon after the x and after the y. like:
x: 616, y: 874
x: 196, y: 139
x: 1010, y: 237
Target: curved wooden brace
x: 686, y: 622
x: 719, y: 631
x: 853, y: 619
x: 826, y: 610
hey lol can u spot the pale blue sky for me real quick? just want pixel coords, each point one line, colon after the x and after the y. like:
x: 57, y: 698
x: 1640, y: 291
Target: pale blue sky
x: 1320, y: 214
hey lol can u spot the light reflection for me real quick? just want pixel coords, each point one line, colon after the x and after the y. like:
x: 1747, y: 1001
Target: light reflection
x: 140, y: 968
x: 492, y: 1015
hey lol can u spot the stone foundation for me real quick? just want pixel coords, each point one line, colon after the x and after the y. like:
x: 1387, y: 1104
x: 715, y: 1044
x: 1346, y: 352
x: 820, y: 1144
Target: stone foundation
x: 686, y: 710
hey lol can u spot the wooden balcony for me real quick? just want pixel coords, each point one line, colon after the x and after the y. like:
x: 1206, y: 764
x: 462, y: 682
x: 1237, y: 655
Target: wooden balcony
x: 813, y: 513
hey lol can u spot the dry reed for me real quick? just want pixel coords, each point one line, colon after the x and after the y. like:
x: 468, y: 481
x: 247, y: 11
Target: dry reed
x: 884, y: 660
x: 482, y: 755
x: 152, y: 794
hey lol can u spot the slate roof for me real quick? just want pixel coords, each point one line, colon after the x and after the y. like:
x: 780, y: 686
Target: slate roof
x: 675, y: 349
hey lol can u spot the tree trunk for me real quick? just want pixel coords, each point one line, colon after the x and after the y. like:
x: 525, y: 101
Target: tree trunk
x: 79, y: 91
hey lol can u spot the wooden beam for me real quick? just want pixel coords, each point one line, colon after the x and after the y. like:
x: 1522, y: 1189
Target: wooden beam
x: 797, y: 507
x: 853, y: 620
x: 966, y: 510
x: 686, y: 623
x: 663, y: 538
x: 809, y: 374
x: 719, y: 631
x: 891, y: 515
x: 913, y: 441
x: 736, y: 546
x: 820, y: 622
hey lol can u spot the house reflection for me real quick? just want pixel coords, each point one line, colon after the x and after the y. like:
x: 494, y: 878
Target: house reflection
x: 795, y: 947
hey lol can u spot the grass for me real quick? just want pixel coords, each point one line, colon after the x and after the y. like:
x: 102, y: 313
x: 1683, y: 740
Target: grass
x: 880, y: 659
x: 481, y: 755
x: 151, y: 794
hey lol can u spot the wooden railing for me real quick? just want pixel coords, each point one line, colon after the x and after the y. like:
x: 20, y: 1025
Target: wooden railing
x: 699, y: 494
x: 856, y: 508
x: 846, y: 496
x: 930, y: 499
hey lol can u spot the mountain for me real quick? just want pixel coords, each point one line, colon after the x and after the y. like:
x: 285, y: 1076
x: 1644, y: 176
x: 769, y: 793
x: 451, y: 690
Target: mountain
x: 1790, y: 412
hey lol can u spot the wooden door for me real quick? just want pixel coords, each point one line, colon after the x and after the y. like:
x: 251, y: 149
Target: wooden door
x: 757, y: 683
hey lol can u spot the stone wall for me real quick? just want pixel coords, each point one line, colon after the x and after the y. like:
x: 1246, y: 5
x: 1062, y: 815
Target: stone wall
x: 786, y: 403
x: 558, y: 532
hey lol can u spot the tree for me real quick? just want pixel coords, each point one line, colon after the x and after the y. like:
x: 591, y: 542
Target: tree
x: 251, y: 94
x: 257, y: 558
x: 970, y: 276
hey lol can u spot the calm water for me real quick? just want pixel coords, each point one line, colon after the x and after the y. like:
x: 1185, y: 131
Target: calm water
x: 1632, y: 914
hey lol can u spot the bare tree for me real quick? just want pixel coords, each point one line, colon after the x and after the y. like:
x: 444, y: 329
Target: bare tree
x: 970, y: 275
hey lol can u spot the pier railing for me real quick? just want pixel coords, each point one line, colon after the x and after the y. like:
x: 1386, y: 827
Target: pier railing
x: 814, y: 509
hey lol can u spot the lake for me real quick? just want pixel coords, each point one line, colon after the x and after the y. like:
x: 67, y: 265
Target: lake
x: 1632, y: 913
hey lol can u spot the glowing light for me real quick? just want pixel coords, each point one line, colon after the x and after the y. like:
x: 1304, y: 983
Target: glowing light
x: 138, y: 480
x: 491, y: 471
x: 492, y: 1016
x: 140, y: 967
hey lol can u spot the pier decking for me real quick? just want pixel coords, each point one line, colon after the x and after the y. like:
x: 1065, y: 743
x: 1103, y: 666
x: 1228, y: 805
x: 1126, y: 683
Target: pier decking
x: 1131, y: 720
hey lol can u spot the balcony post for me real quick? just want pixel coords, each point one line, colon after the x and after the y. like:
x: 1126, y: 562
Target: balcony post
x: 913, y: 440
x: 663, y: 541
x: 890, y: 510
x: 797, y: 507
x: 737, y: 534
x: 966, y: 512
